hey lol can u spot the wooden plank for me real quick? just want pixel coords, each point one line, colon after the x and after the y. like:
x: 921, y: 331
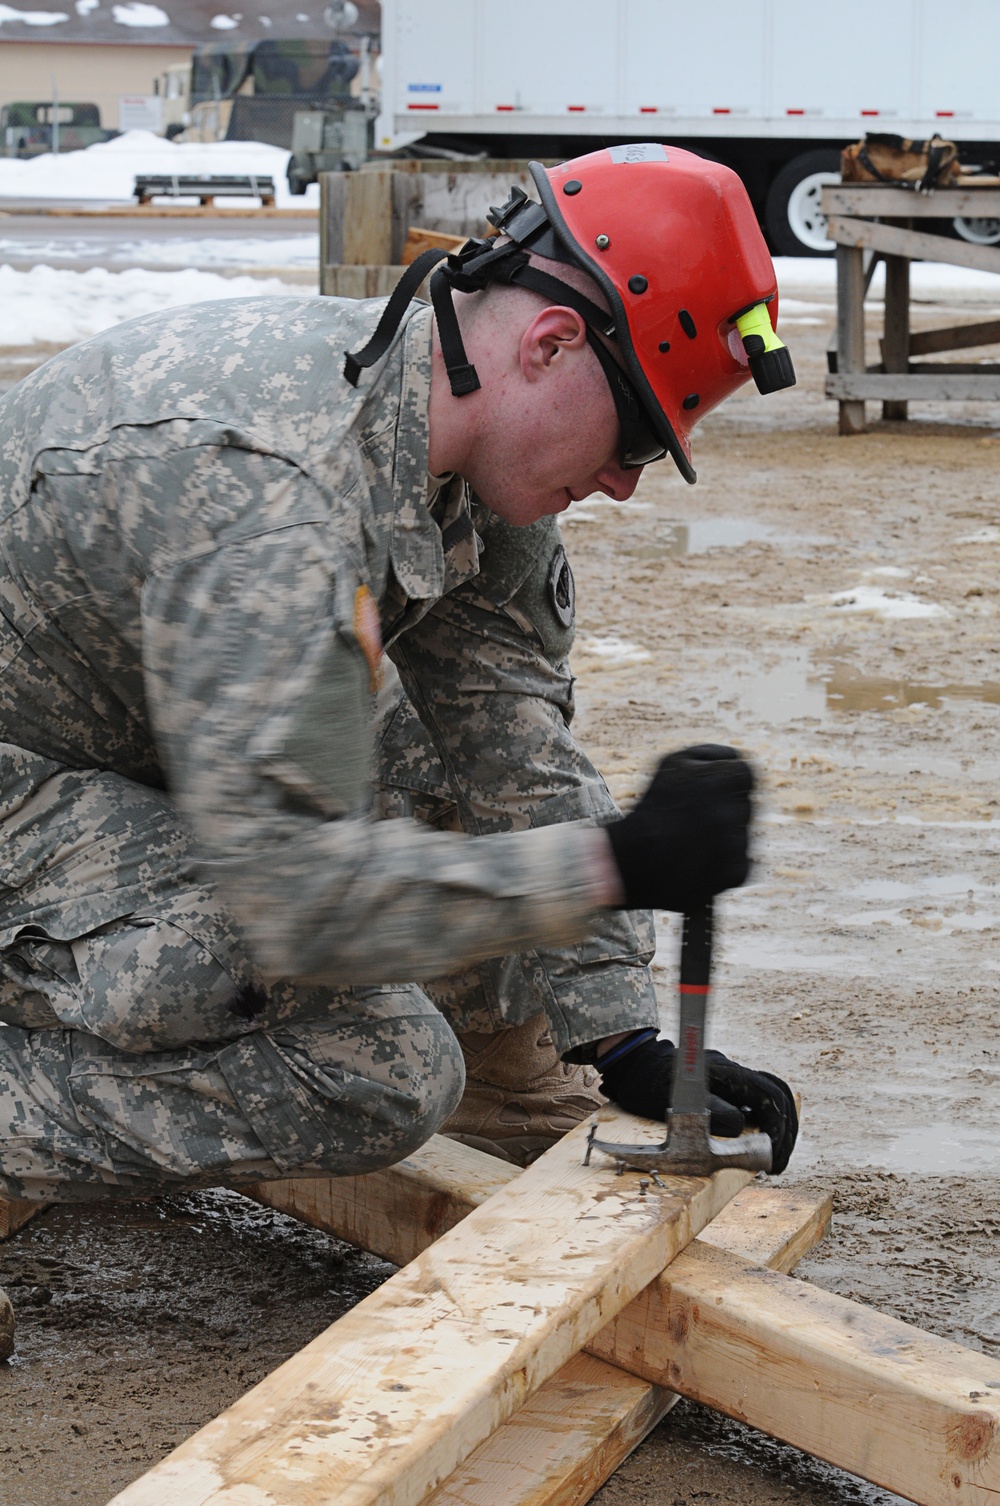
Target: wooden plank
x: 386, y: 1403
x: 571, y: 1435
x: 14, y: 1214
x: 882, y: 199
x: 396, y: 1213
x: 935, y: 388
x: 367, y: 226
x: 930, y: 342
x: 850, y: 330
x: 904, y: 1409
x: 358, y: 282
x: 418, y: 240
x: 915, y: 244
x: 896, y: 339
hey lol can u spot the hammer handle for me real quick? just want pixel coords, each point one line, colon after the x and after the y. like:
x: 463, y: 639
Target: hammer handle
x: 690, y: 1084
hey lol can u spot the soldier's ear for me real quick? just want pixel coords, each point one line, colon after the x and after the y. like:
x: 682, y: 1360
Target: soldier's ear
x: 553, y: 334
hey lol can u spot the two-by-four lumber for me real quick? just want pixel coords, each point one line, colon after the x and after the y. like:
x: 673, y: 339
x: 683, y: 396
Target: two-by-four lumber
x: 929, y: 342
x: 574, y: 1432
x: 903, y: 203
x: 915, y: 244
x: 14, y: 1213
x: 398, y: 1212
x: 902, y: 1408
x: 385, y: 1404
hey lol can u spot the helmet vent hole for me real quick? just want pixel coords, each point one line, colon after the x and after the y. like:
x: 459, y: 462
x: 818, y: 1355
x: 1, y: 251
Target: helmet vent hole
x: 573, y: 186
x: 691, y: 401
x: 637, y: 284
x: 664, y: 347
x: 687, y: 324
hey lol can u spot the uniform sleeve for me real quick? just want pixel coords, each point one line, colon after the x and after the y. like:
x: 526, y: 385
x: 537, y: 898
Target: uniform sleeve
x: 487, y: 672
x: 259, y: 694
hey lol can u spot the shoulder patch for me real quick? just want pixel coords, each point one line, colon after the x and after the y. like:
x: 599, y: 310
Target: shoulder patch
x: 562, y: 588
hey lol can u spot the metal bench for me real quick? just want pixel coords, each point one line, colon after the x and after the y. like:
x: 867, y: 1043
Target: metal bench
x: 205, y: 188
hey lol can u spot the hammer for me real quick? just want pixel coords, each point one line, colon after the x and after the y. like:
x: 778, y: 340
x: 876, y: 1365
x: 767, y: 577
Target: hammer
x: 690, y: 1150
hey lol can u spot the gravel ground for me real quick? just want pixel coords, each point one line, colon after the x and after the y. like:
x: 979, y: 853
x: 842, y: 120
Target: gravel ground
x: 829, y: 605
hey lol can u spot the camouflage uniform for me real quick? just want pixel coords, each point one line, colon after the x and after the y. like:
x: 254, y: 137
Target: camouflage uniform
x: 207, y: 944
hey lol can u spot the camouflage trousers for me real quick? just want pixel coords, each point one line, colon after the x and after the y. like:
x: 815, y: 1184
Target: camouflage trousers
x: 140, y: 1047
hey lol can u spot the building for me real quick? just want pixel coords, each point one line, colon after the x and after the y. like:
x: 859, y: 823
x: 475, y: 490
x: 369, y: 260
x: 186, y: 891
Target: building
x: 103, y: 52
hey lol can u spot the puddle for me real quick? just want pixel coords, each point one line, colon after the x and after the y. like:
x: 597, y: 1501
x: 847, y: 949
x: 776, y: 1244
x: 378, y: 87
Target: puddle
x: 675, y: 539
x: 847, y: 691
x: 941, y: 1149
x: 795, y: 688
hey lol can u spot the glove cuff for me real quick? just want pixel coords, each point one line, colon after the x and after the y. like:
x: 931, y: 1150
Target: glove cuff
x: 637, y: 1038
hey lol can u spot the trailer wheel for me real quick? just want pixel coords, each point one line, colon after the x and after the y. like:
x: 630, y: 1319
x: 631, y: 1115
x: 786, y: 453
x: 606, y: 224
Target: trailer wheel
x: 795, y: 221
x: 979, y: 232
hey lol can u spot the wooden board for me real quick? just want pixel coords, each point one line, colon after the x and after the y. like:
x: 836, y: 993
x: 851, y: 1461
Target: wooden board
x: 14, y: 1213
x: 418, y: 241
x: 915, y: 244
x: 936, y: 388
x: 906, y: 1410
x: 572, y: 1435
x: 385, y: 1404
x: 929, y: 342
x: 399, y: 1212
x: 903, y: 203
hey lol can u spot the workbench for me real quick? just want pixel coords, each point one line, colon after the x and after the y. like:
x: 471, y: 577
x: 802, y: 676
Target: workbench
x: 872, y: 222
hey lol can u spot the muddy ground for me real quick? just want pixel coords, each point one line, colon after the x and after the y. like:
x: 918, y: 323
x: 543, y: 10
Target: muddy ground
x: 831, y: 606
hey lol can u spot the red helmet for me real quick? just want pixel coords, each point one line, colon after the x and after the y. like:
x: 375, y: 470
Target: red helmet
x: 673, y: 244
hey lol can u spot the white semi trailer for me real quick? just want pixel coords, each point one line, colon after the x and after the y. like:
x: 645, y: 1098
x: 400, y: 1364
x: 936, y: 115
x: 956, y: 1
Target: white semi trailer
x: 773, y: 88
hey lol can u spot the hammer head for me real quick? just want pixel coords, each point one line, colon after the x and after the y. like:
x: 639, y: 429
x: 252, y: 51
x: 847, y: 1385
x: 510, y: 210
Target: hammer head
x: 689, y: 1150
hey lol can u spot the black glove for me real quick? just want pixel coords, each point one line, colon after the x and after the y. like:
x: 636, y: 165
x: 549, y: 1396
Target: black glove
x: 640, y: 1082
x: 686, y: 840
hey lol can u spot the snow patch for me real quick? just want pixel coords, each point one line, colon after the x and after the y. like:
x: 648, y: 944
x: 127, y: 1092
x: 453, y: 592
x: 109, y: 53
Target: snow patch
x: 224, y: 23
x: 139, y: 13
x: 613, y: 650
x: 32, y: 17
x: 890, y: 605
x: 84, y: 7
x: 49, y: 305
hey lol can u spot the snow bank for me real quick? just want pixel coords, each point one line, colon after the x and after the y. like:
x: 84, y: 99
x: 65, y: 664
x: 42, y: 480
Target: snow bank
x: 50, y: 305
x: 272, y: 251
x: 818, y: 274
x: 108, y: 170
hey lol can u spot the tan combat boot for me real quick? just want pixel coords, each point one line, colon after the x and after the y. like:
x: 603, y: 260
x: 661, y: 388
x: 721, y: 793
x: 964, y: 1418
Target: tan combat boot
x: 519, y: 1097
x: 6, y: 1327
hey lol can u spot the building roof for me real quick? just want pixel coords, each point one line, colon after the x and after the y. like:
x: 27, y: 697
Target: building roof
x: 178, y: 23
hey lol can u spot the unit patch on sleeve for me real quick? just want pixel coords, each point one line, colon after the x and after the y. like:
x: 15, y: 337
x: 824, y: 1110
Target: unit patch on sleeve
x: 368, y: 632
x: 562, y: 588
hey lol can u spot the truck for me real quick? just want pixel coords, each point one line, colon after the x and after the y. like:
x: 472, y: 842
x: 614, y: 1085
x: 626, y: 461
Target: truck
x: 30, y: 127
x: 772, y: 88
x: 291, y: 93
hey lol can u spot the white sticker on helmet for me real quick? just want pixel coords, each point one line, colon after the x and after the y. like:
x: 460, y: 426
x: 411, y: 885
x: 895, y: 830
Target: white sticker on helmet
x: 639, y: 151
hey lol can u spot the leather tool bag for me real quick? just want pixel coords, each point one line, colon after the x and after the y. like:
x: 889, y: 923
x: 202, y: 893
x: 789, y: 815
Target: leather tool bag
x: 920, y: 165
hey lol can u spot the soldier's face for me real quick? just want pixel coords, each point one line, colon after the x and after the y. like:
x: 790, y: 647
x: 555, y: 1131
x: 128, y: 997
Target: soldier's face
x: 563, y: 444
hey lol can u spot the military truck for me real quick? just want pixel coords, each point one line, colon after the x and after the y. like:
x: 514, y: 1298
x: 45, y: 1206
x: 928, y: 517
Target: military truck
x: 293, y: 94
x: 30, y: 128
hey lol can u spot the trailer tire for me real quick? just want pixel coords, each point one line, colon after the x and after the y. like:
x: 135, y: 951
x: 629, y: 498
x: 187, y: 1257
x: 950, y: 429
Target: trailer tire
x: 792, y: 214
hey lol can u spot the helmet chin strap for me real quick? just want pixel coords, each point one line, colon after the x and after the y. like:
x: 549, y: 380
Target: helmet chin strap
x: 469, y: 270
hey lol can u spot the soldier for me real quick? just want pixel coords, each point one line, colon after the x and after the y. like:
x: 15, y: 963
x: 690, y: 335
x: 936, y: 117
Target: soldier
x: 212, y: 527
